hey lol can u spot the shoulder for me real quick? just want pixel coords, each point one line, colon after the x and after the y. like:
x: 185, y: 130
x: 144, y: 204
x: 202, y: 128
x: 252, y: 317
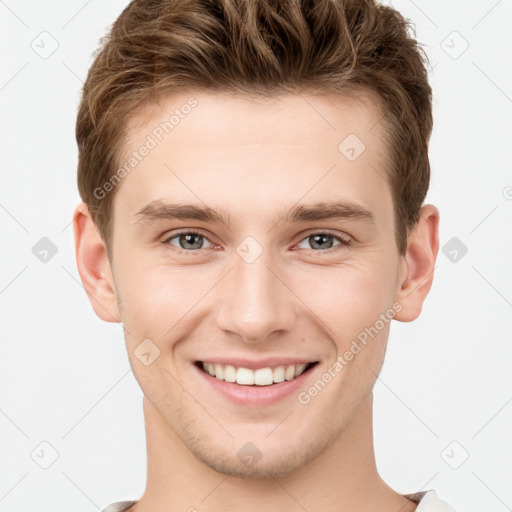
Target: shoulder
x: 428, y: 501
x: 118, y: 506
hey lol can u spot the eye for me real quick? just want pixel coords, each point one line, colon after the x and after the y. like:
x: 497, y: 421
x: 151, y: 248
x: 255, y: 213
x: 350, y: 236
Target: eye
x: 188, y: 240
x: 323, y: 241
x: 191, y: 241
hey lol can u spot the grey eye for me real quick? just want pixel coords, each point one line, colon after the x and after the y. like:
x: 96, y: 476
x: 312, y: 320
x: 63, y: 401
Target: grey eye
x: 189, y: 240
x: 320, y: 241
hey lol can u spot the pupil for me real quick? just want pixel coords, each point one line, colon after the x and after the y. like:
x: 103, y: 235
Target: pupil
x: 322, y: 238
x: 190, y: 236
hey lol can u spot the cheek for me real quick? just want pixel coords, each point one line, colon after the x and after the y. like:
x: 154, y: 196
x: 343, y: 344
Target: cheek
x: 159, y: 299
x: 143, y: 298
x: 349, y: 297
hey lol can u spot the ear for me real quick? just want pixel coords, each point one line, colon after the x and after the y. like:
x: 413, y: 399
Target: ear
x: 417, y: 265
x: 94, y: 266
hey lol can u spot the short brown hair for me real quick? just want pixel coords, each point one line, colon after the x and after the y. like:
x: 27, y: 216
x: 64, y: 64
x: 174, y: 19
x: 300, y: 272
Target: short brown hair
x: 258, y: 47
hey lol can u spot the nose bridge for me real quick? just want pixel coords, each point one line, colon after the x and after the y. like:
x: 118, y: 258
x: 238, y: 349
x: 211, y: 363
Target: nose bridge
x: 254, y: 302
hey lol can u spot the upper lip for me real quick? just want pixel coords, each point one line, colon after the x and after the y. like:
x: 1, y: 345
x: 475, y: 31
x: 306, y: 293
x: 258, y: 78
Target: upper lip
x: 271, y: 362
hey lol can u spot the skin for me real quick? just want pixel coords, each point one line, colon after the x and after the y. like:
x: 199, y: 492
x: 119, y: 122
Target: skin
x: 255, y: 161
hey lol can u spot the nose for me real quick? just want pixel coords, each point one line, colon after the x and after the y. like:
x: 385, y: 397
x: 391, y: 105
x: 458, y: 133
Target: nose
x: 255, y: 300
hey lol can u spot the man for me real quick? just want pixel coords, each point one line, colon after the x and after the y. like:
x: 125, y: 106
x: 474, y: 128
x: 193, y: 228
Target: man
x: 253, y: 176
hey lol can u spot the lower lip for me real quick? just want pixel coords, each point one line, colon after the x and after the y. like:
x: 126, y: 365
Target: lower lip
x: 256, y: 395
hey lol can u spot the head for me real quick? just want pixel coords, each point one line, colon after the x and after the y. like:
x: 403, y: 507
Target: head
x: 253, y: 177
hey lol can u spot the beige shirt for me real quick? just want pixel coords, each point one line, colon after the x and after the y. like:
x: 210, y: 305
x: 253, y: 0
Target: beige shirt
x: 427, y: 502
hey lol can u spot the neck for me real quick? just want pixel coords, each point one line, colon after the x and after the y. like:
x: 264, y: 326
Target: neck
x: 343, y: 477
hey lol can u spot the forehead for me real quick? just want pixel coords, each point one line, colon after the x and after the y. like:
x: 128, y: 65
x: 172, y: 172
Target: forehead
x: 259, y: 153
x: 257, y: 119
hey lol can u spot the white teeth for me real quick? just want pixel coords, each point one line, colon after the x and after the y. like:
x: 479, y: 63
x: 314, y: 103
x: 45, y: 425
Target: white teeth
x: 264, y: 377
x: 279, y: 374
x: 290, y: 372
x: 248, y: 377
x: 219, y: 371
x: 229, y: 373
x: 245, y: 376
x: 300, y: 368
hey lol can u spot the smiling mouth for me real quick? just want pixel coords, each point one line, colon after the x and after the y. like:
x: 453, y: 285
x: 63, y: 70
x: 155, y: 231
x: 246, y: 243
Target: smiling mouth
x: 260, y: 377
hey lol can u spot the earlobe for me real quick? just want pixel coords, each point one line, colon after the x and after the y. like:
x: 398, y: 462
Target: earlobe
x: 93, y: 266
x: 418, y: 264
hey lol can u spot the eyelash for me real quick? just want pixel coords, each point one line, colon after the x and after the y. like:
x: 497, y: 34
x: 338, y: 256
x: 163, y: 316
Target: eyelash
x: 343, y: 242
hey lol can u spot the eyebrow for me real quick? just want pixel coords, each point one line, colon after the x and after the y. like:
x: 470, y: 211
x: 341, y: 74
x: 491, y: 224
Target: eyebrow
x: 160, y: 210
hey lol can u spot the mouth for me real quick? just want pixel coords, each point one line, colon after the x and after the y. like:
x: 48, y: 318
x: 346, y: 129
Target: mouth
x: 266, y: 376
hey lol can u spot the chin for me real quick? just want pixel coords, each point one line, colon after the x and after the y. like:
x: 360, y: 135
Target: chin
x: 266, y: 464
x: 259, y: 471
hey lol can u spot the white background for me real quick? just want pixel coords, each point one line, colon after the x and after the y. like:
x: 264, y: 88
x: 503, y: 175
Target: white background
x: 64, y: 374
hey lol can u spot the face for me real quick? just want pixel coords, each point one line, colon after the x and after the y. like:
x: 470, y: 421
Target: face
x: 255, y: 235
